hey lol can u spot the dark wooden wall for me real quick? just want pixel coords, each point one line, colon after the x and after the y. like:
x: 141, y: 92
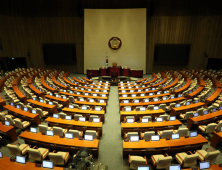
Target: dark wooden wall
x: 25, y: 25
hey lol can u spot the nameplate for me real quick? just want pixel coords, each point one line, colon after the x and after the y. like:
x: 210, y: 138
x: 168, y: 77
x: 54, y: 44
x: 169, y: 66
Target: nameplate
x: 167, y: 138
x: 149, y: 149
x: 80, y: 138
x: 147, y: 140
x: 126, y: 140
x: 220, y: 165
x: 12, y: 159
x: 38, y: 165
x: 186, y: 136
x: 73, y: 147
x: 52, y: 144
x: 61, y: 136
x: 165, y: 148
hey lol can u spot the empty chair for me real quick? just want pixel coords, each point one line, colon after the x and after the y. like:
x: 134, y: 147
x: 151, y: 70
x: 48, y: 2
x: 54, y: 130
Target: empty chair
x: 38, y: 154
x: 146, y: 135
x: 219, y: 125
x: 135, y: 161
x: 93, y: 116
x: 76, y: 133
x: 182, y: 131
x: 41, y: 113
x: 19, y: 149
x: 129, y: 117
x: 170, y: 106
x: 59, y: 158
x: 150, y: 107
x: 92, y: 132
x: 2, y: 116
x: 165, y: 117
x: 161, y: 161
x: 44, y: 128
x: 210, y: 109
x: 59, y: 131
x: 62, y: 115
x: 211, y: 156
x: 77, y: 116
x: 9, y: 118
x: 162, y: 106
x: 165, y: 133
x: 200, y: 111
x: 21, y: 125
x: 186, y: 115
x: 148, y: 117
x: 128, y: 134
x: 210, y: 128
x: 218, y: 104
x: 59, y: 106
x: 186, y: 160
x: 127, y: 108
x: 71, y: 99
x: 29, y: 108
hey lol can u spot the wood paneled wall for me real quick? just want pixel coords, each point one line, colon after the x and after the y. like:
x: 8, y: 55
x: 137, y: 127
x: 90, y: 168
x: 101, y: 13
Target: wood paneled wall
x: 26, y: 25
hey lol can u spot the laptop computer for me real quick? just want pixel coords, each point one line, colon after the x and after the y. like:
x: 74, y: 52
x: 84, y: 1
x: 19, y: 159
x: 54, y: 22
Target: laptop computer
x: 67, y: 117
x: 159, y: 119
x: 130, y: 120
x: 55, y: 116
x: 193, y: 134
x: 20, y: 159
x: 204, y: 165
x: 34, y: 111
x: 33, y: 129
x: 69, y: 135
x: 47, y: 164
x: 156, y: 108
x: 88, y: 137
x: 172, y: 118
x: 145, y: 120
x: 49, y: 133
x: 134, y: 138
x: 195, y: 115
x: 82, y: 119
x: 71, y: 106
x: 96, y: 120
x: 175, y: 136
x: 155, y: 138
x: 174, y: 167
x: 7, y: 123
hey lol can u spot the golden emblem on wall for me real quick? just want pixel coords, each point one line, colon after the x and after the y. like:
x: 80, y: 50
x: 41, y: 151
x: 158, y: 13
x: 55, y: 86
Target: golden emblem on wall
x: 114, y: 43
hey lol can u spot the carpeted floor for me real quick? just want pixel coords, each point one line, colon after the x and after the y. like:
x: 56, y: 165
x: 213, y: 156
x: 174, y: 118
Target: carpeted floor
x: 110, y: 149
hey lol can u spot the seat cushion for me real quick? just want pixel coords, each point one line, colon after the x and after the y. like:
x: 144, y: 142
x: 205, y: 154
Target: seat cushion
x: 64, y: 154
x: 155, y: 158
x: 182, y: 116
x: 202, y: 154
x: 42, y: 151
x: 202, y: 128
x: 180, y: 157
x: 23, y: 148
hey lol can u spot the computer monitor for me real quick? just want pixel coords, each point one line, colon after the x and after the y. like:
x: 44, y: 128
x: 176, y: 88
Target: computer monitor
x: 86, y: 94
x: 204, y: 165
x: 165, y: 92
x: 49, y: 133
x: 142, y: 108
x: 150, y: 94
x: 1, y: 155
x: 145, y: 120
x: 41, y: 101
x: 69, y: 135
x: 146, y: 100
x: 128, y: 109
x: 221, y: 129
x: 153, y: 88
x: 7, y: 123
x: 136, y: 101
x: 96, y: 120
x: 172, y: 97
x: 89, y: 90
x: 195, y: 114
x: 20, y: 159
x: 88, y: 137
x: 179, y: 95
x: 131, y: 91
x: 91, y: 100
x: 175, y: 136
x: 97, y: 108
x: 25, y: 109
x: 130, y: 87
x: 94, y: 94
x: 158, y: 92
x: 67, y: 117
x: 84, y: 108
x: 76, y: 87
x: 220, y: 107
x: 78, y: 93
x: 33, y: 98
x: 134, y: 138
x: 71, y: 92
x: 105, y: 91
x: 103, y: 95
x: 81, y: 99
x: 214, y: 109
x: 122, y: 87
x: 34, y: 111
x: 175, y: 88
x: 164, y: 98
x: 55, y: 116
x: 159, y: 119
x: 172, y: 118
x: 124, y: 95
x: 130, y: 120
x: 156, y: 108
x: 82, y: 119
x: 57, y: 95
x: 123, y: 91
x: 188, y: 103
x: 49, y: 94
x: 177, y: 105
x: 96, y: 90
x: 12, y: 104
x: 205, y: 112
x: 50, y: 103
x: 18, y: 106
x: 146, y: 89
x: 142, y: 94
x: 71, y: 106
x: 155, y: 99
x: 64, y: 97
x: 196, y: 101
x: 193, y: 134
x: 33, y: 129
x: 155, y: 138
x: 47, y: 164
x: 101, y: 101
x: 82, y: 89
x: 174, y: 167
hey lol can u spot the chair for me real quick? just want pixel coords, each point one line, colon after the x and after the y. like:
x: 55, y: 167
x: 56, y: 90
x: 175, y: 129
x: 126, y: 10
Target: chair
x: 93, y: 116
x: 71, y: 99
x: 18, y: 150
x: 41, y: 113
x: 182, y: 131
x: 59, y: 106
x: 62, y: 115
x: 59, y: 158
x: 219, y: 125
x: 129, y: 117
x: 92, y: 132
x: 211, y: 156
x: 128, y: 134
x: 161, y: 161
x: 9, y: 118
x: 148, y: 117
x: 38, y: 154
x: 200, y: 111
x: 77, y: 116
x: 2, y: 116
x: 186, y: 160
x: 59, y: 131
x: 135, y: 161
x: 165, y: 133
x: 162, y: 106
x: 146, y: 135
x: 186, y: 115
x: 165, y: 117
x: 44, y: 128
x: 150, y: 107
x: 170, y: 106
x: 210, y: 128
x: 21, y: 125
x: 76, y: 133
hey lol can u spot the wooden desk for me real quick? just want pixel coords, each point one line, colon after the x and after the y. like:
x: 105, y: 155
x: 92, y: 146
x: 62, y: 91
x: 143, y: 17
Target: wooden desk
x: 127, y: 89
x: 90, y: 92
x: 76, y: 96
x: 196, y: 92
x: 64, y: 102
x: 89, y: 81
x: 44, y: 106
x: 160, y: 83
x: 205, y: 119
x: 213, y: 97
x: 103, y: 105
x: 69, y: 82
x: 36, y: 91
x: 170, y: 85
x: 61, y: 144
x: 47, y: 86
x: 163, y: 146
x: 85, y: 113
x: 79, y: 81
x: 19, y: 94
x: 8, y: 131
x: 139, y: 114
x: 150, y: 126
x: 34, y: 118
x: 145, y: 92
x: 217, y: 137
x: 180, y: 90
x: 59, y: 84
x: 177, y: 110
x: 167, y: 102
x: 76, y: 125
x: 2, y: 102
x: 139, y: 81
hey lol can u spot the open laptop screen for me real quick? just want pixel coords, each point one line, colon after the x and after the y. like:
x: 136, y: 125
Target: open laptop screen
x: 50, y: 103
x: 96, y: 120
x: 193, y: 134
x: 47, y: 164
x: 130, y: 120
x: 134, y: 138
x: 33, y: 129
x: 173, y: 118
x: 177, y: 105
x: 71, y: 106
x: 55, y: 116
x: 17, y: 106
x: 88, y: 137
x: 174, y: 167
x: 7, y: 123
x: 49, y: 133
x: 176, y: 136
x: 146, y: 100
x: 156, y: 108
x: 195, y: 114
x: 82, y: 119
x: 145, y: 120
x: 128, y: 109
x: 69, y: 135
x: 205, y: 112
x: 1, y: 155
x: 34, y: 111
x: 97, y: 108
x: 155, y: 138
x: 159, y: 119
x: 136, y: 101
x: 67, y: 117
x: 155, y: 100
x: 204, y: 165
x: 20, y: 159
x: 142, y: 108
x: 25, y: 109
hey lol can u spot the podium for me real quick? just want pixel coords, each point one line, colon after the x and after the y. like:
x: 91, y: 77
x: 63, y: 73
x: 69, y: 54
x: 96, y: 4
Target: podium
x: 114, y: 69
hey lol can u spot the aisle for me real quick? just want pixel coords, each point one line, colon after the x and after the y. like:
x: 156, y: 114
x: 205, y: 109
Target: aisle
x: 110, y: 152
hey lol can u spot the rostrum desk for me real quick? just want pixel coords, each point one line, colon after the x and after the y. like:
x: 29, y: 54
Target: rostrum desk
x: 8, y: 131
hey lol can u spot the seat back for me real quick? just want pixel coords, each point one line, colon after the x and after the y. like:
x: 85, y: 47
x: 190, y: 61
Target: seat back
x: 164, y: 162
x: 62, y: 115
x: 76, y: 116
x: 39, y: 111
x: 172, y: 105
x: 187, y: 115
x: 147, y: 135
x: 76, y: 133
x: 34, y: 154
x: 212, y: 156
x: 9, y: 118
x: 165, y: 117
x: 18, y: 123
x: 200, y: 111
x: 92, y: 116
x: 14, y: 150
x: 131, y: 134
x: 162, y: 106
x: 43, y: 128
x: 211, y: 128
x: 150, y: 107
x: 136, y: 161
x: 58, y: 131
x: 183, y: 132
x: 190, y: 160
x: 56, y: 158
x: 2, y: 117
x: 71, y: 99
x: 219, y: 125
x: 166, y: 134
x: 149, y: 117
x: 91, y: 132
